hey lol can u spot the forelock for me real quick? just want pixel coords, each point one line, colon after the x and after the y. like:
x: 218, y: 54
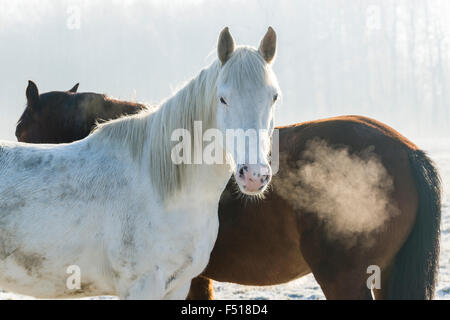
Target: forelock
x: 246, y: 66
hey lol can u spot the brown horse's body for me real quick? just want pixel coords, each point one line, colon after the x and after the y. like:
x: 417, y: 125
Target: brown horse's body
x: 280, y: 239
x: 271, y: 242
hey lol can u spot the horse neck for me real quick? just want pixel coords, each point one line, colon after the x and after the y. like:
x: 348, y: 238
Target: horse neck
x: 124, y: 107
x: 195, y: 102
x: 147, y: 136
x: 113, y: 109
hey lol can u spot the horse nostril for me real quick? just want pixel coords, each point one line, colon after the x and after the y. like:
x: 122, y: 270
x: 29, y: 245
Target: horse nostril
x: 265, y: 179
x: 241, y: 173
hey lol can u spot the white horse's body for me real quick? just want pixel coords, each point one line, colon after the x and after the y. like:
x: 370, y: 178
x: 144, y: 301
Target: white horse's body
x: 115, y: 206
x: 67, y: 205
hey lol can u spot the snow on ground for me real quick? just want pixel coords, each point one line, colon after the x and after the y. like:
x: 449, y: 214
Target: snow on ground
x: 307, y: 287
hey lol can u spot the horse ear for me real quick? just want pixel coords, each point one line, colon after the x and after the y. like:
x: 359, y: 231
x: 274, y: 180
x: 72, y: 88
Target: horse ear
x: 226, y: 45
x: 75, y: 88
x: 268, y: 47
x: 32, y: 94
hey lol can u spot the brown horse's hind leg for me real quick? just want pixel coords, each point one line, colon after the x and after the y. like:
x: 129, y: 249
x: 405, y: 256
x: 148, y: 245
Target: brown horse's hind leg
x: 201, y: 289
x: 351, y: 284
x: 343, y: 286
x: 383, y: 292
x: 340, y: 269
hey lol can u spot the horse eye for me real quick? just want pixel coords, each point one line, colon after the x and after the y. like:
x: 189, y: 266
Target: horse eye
x: 275, y: 98
x: 222, y: 100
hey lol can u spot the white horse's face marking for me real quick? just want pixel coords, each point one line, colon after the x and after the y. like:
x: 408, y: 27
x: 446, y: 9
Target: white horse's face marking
x: 247, y: 91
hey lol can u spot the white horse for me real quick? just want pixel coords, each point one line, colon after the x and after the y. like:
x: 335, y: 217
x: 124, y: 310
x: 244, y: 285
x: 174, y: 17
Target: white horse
x: 114, y: 208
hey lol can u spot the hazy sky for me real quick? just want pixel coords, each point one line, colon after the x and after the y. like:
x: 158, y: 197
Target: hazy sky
x: 381, y: 58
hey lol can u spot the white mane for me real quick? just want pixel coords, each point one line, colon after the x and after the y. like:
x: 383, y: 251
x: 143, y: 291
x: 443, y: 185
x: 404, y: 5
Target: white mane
x: 150, y: 131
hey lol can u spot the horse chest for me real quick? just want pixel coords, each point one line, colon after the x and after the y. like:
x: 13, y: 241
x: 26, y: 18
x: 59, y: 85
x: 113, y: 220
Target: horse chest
x: 195, y: 243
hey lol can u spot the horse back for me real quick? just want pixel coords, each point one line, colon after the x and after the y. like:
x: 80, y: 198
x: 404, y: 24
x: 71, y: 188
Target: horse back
x: 355, y: 132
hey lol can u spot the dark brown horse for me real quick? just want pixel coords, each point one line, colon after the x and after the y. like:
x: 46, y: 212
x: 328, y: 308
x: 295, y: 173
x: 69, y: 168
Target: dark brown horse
x: 65, y: 116
x: 352, y: 197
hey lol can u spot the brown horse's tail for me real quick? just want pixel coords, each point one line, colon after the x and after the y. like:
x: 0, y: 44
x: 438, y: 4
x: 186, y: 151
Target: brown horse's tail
x: 416, y: 264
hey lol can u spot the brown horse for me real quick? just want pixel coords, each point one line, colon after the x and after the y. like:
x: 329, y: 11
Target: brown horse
x: 65, y: 116
x: 351, y: 193
x: 352, y: 198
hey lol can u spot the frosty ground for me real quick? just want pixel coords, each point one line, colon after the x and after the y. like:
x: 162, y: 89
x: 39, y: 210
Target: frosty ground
x: 307, y: 287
